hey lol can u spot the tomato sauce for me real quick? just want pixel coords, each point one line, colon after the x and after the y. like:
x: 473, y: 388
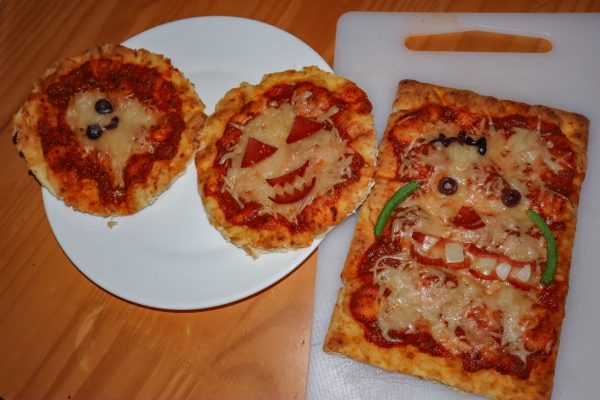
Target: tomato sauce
x: 61, y: 147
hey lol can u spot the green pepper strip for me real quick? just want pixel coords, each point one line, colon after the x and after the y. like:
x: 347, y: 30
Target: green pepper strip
x: 392, y: 203
x: 551, y: 250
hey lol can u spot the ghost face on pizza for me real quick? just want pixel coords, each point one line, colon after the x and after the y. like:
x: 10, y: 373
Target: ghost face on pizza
x: 288, y: 159
x: 108, y: 130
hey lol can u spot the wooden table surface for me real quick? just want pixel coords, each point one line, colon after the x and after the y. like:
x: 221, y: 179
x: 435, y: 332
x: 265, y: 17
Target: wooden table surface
x: 61, y: 336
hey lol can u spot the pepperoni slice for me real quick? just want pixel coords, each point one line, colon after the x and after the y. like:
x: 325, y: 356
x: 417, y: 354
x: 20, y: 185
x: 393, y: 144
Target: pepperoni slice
x: 421, y: 259
x: 303, y: 128
x: 256, y: 151
x: 289, y: 177
x: 297, y: 194
x: 468, y: 218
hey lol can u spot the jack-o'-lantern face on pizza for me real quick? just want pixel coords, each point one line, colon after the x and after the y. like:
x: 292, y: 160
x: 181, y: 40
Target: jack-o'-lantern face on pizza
x: 287, y: 155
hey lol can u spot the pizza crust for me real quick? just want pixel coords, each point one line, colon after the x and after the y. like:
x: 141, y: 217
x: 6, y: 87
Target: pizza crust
x: 83, y: 194
x: 322, y: 214
x: 346, y: 335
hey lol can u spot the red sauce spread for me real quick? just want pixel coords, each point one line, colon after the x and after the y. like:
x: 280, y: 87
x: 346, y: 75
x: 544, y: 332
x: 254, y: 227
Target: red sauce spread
x: 364, y: 305
x: 62, y: 149
x: 248, y: 214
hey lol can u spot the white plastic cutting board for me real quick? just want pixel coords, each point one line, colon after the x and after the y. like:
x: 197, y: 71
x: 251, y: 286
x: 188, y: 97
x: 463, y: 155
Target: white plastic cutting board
x: 370, y: 51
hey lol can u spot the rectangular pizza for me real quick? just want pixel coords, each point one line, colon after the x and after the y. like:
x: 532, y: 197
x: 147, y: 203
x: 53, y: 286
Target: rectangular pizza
x: 459, y: 266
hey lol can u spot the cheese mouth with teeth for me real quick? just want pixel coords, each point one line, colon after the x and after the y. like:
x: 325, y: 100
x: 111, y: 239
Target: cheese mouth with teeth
x: 286, y: 157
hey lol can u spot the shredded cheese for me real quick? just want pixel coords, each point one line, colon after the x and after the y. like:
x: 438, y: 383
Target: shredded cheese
x: 327, y: 154
x: 438, y: 300
x: 443, y: 306
x: 114, y: 146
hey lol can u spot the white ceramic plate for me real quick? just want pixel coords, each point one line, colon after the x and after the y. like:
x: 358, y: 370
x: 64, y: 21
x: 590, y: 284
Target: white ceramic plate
x: 168, y: 255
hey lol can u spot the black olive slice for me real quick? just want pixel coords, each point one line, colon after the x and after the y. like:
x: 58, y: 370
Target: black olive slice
x: 114, y: 122
x: 103, y: 106
x: 94, y: 131
x: 447, y: 186
x: 481, y: 144
x: 511, y: 197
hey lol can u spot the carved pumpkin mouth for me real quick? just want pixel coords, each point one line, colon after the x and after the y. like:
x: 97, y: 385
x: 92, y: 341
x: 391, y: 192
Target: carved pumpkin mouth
x: 291, y: 186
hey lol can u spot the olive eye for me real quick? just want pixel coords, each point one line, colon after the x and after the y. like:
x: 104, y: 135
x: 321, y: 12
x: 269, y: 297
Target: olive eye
x: 103, y: 106
x: 94, y: 131
x: 447, y: 186
x: 511, y: 197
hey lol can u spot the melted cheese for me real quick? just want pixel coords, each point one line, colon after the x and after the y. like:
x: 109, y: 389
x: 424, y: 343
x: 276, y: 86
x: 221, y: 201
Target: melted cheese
x: 441, y: 306
x: 117, y: 145
x: 491, y: 313
x: 505, y: 227
x: 327, y: 154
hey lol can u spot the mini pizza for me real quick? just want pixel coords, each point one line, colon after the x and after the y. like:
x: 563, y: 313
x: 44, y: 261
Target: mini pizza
x: 286, y: 159
x: 459, y: 266
x: 108, y: 130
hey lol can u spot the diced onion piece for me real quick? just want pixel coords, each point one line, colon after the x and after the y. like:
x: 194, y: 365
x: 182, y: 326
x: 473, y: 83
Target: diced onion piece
x: 396, y: 226
x: 524, y: 274
x: 429, y: 242
x: 485, y: 265
x: 502, y: 270
x: 454, y: 253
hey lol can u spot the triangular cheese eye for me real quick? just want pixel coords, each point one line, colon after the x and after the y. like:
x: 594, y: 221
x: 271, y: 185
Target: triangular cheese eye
x: 303, y: 128
x: 256, y: 151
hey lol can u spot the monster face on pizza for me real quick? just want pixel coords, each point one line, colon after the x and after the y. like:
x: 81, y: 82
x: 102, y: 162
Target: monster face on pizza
x: 108, y: 130
x: 459, y: 267
x: 289, y: 159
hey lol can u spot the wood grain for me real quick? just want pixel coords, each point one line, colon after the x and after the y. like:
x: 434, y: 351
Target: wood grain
x: 63, y: 337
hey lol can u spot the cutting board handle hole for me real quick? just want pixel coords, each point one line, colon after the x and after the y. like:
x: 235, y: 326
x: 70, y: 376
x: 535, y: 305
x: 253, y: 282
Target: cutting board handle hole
x: 478, y: 41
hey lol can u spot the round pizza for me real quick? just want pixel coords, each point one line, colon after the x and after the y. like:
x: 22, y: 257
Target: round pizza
x: 108, y: 130
x: 287, y: 159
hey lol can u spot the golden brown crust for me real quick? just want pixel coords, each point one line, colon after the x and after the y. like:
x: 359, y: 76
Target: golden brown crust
x: 319, y: 216
x: 83, y: 194
x: 346, y: 335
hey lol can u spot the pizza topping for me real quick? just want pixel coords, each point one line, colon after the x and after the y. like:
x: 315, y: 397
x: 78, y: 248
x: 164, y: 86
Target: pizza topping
x: 282, y: 161
x: 103, y: 106
x: 461, y: 316
x: 524, y: 273
x: 302, y: 128
x: 462, y: 138
x: 468, y: 218
x: 289, y: 177
x: 511, y: 197
x: 502, y: 270
x: 295, y: 195
x: 447, y: 185
x: 94, y: 131
x: 114, y: 122
x: 392, y: 204
x: 551, y: 249
x: 256, y: 151
x: 454, y: 252
x: 485, y: 265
